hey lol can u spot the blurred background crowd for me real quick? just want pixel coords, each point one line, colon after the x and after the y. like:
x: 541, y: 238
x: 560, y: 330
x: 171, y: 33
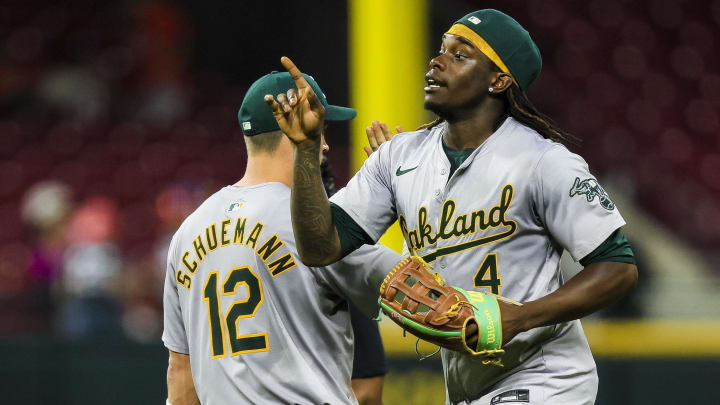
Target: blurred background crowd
x: 118, y: 118
x: 106, y: 145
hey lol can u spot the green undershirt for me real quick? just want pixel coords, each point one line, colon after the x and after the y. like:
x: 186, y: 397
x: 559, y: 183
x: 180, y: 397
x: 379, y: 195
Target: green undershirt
x: 456, y: 157
x: 352, y: 236
x: 615, y: 249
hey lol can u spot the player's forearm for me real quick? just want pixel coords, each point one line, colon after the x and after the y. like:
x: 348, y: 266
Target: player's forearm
x: 181, y: 389
x: 596, y: 286
x: 315, y: 234
x: 368, y: 391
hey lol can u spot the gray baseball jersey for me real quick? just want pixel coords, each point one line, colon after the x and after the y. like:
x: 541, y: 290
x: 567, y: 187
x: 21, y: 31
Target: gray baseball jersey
x: 498, y: 224
x: 259, y: 326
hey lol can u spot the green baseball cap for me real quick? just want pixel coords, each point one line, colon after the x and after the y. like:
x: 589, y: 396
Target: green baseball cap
x: 256, y: 117
x: 504, y: 41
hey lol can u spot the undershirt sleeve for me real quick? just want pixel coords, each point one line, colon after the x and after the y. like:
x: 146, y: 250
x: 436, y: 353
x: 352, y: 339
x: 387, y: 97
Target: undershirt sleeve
x: 368, y: 197
x: 615, y: 249
x: 351, y: 235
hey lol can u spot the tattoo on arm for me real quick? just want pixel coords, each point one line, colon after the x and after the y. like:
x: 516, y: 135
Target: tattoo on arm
x: 315, y: 234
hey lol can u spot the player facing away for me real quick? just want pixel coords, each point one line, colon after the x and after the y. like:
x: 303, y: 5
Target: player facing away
x: 245, y: 321
x: 487, y: 195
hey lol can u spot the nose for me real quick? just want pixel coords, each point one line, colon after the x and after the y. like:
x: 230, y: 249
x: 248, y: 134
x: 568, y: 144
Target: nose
x: 437, y: 63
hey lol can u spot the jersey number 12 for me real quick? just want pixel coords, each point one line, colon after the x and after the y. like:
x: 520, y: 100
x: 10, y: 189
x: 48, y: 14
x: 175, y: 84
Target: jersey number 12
x: 239, y: 309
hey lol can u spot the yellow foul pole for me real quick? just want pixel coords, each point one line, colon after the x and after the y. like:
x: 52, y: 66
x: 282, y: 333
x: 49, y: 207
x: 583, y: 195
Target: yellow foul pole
x: 388, y: 61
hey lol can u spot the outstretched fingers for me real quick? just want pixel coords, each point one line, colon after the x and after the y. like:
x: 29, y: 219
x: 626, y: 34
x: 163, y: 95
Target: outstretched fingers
x: 372, y: 138
x: 302, y: 84
x: 283, y: 101
x: 277, y: 110
x: 292, y: 96
x: 274, y: 106
x: 295, y: 73
x: 377, y: 134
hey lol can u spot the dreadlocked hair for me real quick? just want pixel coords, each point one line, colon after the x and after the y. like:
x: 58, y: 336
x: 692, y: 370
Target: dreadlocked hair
x: 430, y: 124
x: 523, y: 111
x: 520, y: 108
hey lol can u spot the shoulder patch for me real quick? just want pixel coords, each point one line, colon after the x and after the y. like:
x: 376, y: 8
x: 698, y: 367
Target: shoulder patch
x: 591, y: 189
x: 234, y: 206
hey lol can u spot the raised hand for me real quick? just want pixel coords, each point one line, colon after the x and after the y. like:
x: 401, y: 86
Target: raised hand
x: 299, y: 113
x: 378, y: 134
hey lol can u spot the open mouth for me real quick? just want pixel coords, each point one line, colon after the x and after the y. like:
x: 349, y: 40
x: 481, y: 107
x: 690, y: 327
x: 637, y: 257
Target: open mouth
x: 433, y: 84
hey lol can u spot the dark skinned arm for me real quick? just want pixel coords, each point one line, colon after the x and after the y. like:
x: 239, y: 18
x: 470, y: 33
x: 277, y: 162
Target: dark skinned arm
x: 368, y: 391
x: 301, y: 115
x: 596, y: 286
x: 315, y: 234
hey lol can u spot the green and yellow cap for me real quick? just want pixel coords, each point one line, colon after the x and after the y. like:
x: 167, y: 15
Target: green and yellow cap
x: 255, y: 116
x: 504, y: 41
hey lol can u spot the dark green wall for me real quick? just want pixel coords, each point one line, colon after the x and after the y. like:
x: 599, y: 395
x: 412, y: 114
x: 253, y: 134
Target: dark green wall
x: 34, y: 371
x: 51, y: 372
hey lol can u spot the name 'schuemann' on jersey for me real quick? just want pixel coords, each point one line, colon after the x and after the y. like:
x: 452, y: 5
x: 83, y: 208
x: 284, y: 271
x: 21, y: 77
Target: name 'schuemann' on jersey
x: 259, y: 326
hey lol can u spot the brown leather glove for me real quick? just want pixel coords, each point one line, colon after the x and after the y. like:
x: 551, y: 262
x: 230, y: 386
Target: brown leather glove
x: 420, y: 302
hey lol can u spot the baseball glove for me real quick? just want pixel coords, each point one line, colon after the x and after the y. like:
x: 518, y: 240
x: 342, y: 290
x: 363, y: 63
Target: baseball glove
x: 421, y: 303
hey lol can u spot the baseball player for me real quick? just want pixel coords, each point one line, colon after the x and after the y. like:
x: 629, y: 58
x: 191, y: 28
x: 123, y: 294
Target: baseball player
x: 489, y: 196
x: 253, y: 323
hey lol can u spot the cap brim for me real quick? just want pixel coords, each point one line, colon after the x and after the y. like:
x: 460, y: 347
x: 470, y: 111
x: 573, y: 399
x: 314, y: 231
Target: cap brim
x: 336, y: 113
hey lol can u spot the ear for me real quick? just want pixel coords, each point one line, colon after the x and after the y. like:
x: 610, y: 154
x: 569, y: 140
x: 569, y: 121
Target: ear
x: 502, y: 82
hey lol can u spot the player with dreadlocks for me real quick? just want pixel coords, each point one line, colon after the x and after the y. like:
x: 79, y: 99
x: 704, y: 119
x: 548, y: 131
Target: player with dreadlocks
x: 490, y: 197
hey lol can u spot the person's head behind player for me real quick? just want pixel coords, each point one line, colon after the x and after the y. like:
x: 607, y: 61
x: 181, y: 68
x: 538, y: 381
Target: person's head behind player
x: 261, y: 131
x: 487, y: 62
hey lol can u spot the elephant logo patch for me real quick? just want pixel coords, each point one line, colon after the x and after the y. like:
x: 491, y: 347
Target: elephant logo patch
x: 591, y: 189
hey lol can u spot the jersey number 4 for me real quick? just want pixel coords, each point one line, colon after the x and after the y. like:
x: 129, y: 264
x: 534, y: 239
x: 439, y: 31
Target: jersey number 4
x: 239, y: 309
x: 487, y: 274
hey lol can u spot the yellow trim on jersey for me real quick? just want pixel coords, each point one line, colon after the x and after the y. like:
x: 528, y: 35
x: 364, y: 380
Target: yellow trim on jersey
x: 199, y: 246
x: 181, y: 278
x: 214, y: 234
x: 488, y: 273
x: 219, y: 309
x: 269, y: 248
x: 280, y: 265
x: 250, y: 315
x: 223, y: 232
x: 263, y: 349
x: 472, y: 36
x: 239, y: 233
x: 255, y: 234
x: 194, y: 266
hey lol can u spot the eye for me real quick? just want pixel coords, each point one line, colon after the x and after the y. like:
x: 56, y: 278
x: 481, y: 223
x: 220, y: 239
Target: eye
x: 459, y: 55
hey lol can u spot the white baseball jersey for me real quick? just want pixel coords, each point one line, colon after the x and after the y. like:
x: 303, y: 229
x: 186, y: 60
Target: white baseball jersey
x: 259, y: 326
x: 498, y: 224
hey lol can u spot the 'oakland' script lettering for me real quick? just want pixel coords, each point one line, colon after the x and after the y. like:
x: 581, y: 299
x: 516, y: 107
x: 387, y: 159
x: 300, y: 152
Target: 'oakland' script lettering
x: 454, y: 226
